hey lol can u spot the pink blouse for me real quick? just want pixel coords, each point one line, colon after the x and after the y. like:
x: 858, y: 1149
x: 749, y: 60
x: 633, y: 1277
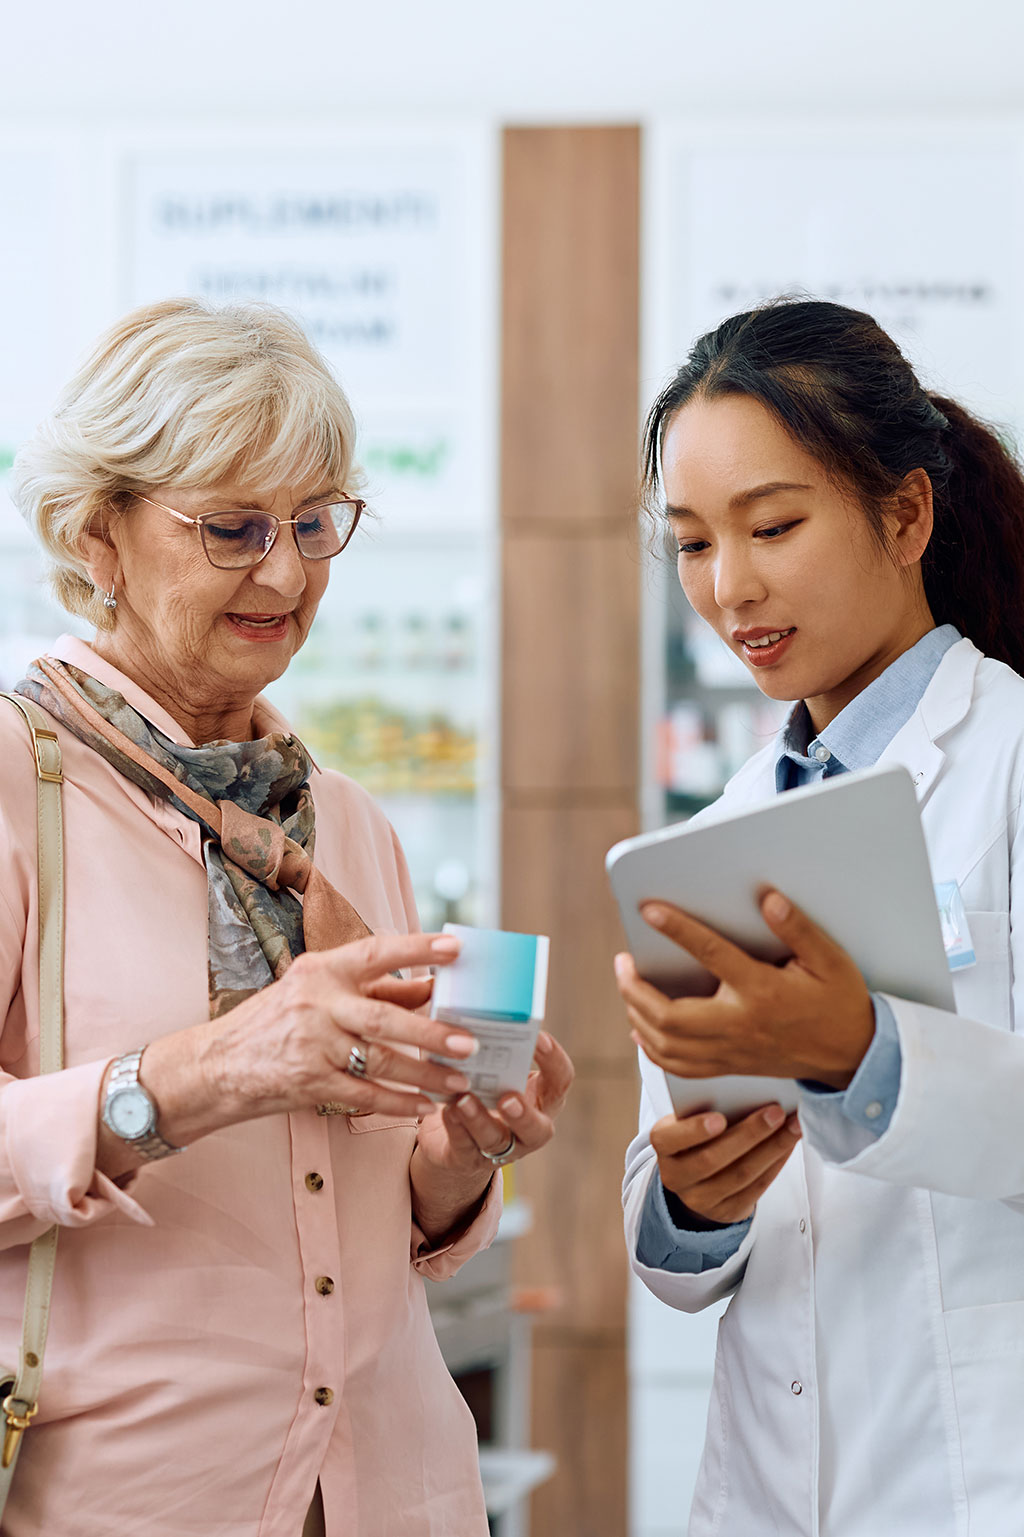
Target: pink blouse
x: 245, y: 1318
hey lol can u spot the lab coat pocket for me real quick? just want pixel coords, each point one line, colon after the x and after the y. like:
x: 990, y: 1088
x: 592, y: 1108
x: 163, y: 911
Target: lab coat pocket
x: 986, y: 1356
x: 983, y: 991
x: 988, y: 1333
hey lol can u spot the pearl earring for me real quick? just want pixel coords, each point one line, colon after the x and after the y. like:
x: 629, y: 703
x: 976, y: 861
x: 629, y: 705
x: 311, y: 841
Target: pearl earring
x: 109, y: 601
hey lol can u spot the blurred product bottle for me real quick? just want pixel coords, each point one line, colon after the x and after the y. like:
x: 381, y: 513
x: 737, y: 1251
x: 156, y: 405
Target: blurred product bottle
x: 415, y: 648
x: 456, y: 650
x: 690, y: 764
x: 371, y: 642
x: 451, y: 883
x: 715, y: 666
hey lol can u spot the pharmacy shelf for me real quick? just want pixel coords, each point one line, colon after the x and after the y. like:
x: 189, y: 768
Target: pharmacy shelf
x: 509, y: 1475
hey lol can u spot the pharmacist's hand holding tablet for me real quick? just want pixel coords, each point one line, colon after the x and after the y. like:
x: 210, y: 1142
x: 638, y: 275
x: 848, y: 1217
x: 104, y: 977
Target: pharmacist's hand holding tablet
x: 755, y: 940
x: 810, y: 1017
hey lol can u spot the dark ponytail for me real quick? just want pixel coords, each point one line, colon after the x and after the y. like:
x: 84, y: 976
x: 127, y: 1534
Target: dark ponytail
x: 844, y: 391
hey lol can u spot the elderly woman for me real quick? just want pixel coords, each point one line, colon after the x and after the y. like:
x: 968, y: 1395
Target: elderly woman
x: 250, y: 1178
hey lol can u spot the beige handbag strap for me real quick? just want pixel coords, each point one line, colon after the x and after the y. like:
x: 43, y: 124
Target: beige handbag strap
x: 21, y: 1404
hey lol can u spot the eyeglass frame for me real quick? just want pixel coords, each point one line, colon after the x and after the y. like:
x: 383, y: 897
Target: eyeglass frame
x: 197, y: 522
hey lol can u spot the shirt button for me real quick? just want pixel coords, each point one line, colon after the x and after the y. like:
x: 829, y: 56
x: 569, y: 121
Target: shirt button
x: 314, y: 1182
x: 803, y: 1225
x: 873, y: 1111
x: 324, y: 1396
x: 324, y: 1285
x: 794, y: 1387
x: 820, y: 752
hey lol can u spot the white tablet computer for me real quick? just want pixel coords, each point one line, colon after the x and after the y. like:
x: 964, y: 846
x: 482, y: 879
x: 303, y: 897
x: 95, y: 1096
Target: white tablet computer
x: 850, y: 852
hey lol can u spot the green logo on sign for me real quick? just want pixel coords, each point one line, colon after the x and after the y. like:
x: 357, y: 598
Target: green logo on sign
x: 425, y: 461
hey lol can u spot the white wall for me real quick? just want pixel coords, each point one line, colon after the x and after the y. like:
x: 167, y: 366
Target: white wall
x: 555, y: 59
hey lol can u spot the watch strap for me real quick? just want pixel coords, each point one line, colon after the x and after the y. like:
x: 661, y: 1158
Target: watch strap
x: 125, y: 1075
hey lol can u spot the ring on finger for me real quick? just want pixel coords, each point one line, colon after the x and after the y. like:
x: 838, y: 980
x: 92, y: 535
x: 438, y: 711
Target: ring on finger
x: 357, y: 1064
x: 503, y: 1154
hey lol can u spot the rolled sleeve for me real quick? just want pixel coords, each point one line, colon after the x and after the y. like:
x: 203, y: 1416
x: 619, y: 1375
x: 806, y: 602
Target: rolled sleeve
x: 440, y: 1263
x: 842, y: 1123
x: 661, y: 1245
x: 48, y: 1168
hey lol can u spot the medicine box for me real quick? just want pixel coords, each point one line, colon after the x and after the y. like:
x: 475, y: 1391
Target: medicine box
x: 496, y: 988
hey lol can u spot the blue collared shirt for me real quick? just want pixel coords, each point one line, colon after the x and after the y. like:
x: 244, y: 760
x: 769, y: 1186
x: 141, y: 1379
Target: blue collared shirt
x: 848, y: 1120
x: 860, y: 734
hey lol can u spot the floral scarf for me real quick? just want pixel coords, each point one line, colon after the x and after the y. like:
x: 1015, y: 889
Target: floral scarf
x: 253, y: 803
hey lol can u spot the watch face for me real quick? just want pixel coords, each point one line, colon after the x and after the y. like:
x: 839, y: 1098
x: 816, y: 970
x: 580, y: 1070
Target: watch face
x: 130, y: 1112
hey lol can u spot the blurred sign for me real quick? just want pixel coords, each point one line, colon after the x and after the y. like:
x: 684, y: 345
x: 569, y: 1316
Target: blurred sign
x: 922, y: 234
x: 31, y: 272
x: 386, y: 252
x: 377, y: 250
x: 39, y: 267
x: 33, y: 286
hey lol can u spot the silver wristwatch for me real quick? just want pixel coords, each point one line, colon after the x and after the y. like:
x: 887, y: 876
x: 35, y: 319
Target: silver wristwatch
x: 130, y: 1110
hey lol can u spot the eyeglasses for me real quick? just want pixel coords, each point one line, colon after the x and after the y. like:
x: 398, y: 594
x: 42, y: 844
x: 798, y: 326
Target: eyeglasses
x: 235, y: 540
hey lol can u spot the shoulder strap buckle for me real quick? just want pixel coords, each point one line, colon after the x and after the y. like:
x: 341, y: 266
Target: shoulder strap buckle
x: 49, y: 765
x: 45, y: 746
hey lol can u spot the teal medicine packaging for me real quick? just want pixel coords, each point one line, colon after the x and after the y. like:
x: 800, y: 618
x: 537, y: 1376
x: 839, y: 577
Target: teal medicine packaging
x: 496, y: 988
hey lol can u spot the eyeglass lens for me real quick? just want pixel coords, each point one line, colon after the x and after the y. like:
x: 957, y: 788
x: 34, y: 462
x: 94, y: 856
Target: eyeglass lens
x: 233, y: 540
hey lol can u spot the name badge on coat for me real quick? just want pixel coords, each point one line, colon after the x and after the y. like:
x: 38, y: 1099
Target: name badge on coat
x: 956, y: 932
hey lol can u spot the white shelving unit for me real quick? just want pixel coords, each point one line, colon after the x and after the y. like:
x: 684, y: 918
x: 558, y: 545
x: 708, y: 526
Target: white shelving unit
x: 509, y: 1476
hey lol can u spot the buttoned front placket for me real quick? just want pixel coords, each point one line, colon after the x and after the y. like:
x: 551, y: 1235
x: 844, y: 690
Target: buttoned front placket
x: 320, y: 1395
x: 804, y: 1386
x: 789, y: 1354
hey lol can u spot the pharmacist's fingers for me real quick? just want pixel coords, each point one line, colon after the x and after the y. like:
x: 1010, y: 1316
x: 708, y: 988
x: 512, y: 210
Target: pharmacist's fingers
x: 738, y: 1207
x: 719, y: 955
x: 675, y: 1134
x: 664, y: 1021
x: 815, y: 950
x: 693, y: 1042
x: 640, y: 995
x: 705, y: 1145
x: 743, y: 1173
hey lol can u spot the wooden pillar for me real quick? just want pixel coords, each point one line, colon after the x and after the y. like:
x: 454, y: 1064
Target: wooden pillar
x: 569, y: 753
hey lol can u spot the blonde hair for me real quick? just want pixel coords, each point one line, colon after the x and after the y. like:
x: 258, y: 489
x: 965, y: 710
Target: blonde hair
x: 180, y: 393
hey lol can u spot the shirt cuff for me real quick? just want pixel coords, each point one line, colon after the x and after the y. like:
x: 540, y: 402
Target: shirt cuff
x: 661, y: 1245
x: 440, y: 1263
x: 867, y: 1104
x: 48, y: 1131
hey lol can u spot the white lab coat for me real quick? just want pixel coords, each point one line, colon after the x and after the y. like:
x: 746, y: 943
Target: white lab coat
x: 869, y: 1379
